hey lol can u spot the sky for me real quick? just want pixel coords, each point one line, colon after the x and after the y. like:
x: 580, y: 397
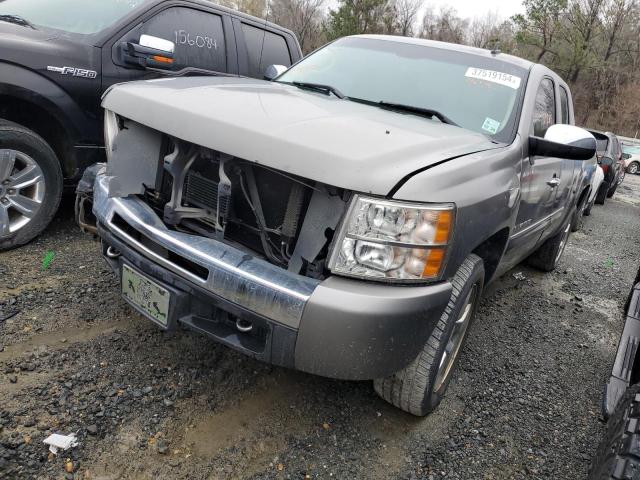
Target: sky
x: 479, y: 8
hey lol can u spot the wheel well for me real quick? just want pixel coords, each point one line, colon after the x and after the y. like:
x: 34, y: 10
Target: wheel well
x: 39, y: 120
x: 584, y: 195
x: 491, y: 251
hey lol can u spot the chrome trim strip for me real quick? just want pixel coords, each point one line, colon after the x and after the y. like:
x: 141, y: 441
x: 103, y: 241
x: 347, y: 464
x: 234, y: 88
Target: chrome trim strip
x: 546, y: 219
x: 243, y: 279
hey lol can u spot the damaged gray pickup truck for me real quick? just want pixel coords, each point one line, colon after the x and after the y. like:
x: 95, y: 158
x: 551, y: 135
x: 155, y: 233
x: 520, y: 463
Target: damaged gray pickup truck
x: 343, y: 218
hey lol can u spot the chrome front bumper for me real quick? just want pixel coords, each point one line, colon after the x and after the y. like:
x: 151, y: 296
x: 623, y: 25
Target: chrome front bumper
x: 243, y: 279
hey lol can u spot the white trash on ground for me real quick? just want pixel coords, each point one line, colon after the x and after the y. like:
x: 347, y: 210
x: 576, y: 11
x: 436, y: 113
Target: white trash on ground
x: 62, y: 442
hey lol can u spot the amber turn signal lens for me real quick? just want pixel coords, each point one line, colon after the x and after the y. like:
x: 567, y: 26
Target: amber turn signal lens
x: 435, y: 260
x: 161, y: 59
x: 443, y: 227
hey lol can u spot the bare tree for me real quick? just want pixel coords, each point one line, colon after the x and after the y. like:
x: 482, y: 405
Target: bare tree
x: 406, y: 13
x: 303, y: 17
x: 445, y: 25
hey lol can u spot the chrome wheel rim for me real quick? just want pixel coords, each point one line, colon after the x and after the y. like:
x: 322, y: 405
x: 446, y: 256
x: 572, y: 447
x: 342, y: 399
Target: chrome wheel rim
x: 22, y: 189
x: 456, y: 338
x: 563, y: 242
x: 633, y: 168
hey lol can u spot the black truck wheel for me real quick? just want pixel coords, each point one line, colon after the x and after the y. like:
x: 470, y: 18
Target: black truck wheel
x: 618, y: 455
x: 548, y: 255
x: 578, y: 216
x: 419, y: 387
x: 587, y: 211
x: 602, y: 193
x: 30, y: 185
x: 612, y: 190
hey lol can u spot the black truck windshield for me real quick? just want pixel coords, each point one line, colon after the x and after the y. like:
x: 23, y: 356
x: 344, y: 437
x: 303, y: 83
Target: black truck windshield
x: 476, y: 92
x: 83, y: 17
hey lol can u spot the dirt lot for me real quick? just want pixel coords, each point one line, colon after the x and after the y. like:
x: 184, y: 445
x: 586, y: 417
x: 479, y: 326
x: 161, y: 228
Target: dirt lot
x: 525, y: 402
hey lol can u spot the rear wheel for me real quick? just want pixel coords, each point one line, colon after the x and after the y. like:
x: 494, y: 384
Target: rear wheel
x: 587, y: 211
x: 612, y: 190
x: 547, y: 257
x: 419, y: 387
x: 602, y: 193
x: 576, y: 223
x: 30, y: 185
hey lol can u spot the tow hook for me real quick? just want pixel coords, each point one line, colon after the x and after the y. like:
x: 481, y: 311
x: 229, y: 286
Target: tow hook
x: 112, y: 252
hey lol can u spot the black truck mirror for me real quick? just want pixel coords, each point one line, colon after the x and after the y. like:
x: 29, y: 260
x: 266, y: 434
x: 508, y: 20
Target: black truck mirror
x: 563, y: 141
x: 150, y: 52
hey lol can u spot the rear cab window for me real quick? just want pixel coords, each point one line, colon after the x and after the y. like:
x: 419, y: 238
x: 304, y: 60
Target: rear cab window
x: 264, y: 48
x: 564, y: 106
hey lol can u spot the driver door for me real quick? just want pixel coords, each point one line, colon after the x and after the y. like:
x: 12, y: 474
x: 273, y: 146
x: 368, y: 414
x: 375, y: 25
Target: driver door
x: 541, y: 176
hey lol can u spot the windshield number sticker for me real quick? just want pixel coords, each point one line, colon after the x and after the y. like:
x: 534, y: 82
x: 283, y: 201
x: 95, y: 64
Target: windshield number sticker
x: 490, y: 125
x: 501, y: 78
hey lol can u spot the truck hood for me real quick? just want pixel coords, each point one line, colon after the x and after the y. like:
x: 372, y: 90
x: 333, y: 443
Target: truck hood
x: 319, y: 137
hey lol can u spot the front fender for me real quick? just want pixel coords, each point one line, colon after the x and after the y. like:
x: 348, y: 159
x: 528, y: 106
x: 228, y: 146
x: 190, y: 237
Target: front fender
x: 485, y: 187
x: 27, y: 85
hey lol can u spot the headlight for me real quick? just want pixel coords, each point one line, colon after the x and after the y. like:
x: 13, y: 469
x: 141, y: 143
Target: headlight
x: 390, y: 240
x: 111, y: 129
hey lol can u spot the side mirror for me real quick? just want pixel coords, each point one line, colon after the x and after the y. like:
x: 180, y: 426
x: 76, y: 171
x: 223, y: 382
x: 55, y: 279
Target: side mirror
x: 274, y: 71
x: 626, y: 156
x: 150, y: 52
x: 564, y: 141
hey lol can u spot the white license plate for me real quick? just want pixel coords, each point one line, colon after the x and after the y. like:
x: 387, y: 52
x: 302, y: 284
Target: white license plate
x: 145, y: 294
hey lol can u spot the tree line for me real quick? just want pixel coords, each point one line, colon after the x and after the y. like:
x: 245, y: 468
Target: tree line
x: 593, y: 44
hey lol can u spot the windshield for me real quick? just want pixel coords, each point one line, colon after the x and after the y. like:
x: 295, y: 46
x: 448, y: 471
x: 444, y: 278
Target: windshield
x: 478, y: 93
x: 74, y: 16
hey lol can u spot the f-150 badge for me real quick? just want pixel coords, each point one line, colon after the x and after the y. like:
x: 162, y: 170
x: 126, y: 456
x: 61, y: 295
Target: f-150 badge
x: 74, y: 72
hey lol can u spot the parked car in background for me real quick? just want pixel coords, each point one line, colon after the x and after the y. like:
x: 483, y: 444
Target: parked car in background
x: 57, y: 58
x: 337, y: 225
x: 631, y: 156
x: 596, y: 181
x: 609, y: 156
x: 617, y: 454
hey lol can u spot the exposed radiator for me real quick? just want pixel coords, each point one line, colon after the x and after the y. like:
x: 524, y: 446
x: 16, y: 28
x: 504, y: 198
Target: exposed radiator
x: 201, y: 192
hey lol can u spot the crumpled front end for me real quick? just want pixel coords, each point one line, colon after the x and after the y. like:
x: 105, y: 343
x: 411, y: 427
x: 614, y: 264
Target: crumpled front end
x: 238, y: 251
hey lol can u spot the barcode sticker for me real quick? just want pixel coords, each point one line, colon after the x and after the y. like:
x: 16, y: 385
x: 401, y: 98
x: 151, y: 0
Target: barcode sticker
x: 506, y: 79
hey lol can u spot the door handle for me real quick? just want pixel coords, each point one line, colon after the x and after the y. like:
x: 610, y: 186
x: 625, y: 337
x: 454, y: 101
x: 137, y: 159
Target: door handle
x: 554, y: 182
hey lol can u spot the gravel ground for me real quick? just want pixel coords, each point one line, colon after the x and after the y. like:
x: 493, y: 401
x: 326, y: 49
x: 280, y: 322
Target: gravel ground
x: 524, y: 403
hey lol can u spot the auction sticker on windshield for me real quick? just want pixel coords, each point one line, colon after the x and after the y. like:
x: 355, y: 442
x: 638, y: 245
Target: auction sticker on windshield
x: 145, y: 294
x: 493, y: 76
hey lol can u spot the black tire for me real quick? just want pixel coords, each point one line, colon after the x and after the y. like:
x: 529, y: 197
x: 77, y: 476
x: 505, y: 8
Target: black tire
x: 21, y: 139
x: 633, y: 168
x: 618, y: 455
x: 587, y: 211
x: 578, y: 220
x: 413, y: 389
x: 548, y: 255
x: 602, y: 193
x: 612, y: 190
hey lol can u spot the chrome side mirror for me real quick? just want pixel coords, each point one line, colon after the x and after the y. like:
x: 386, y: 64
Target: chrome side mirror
x: 157, y: 43
x: 564, y: 141
x: 274, y: 71
x: 149, y: 52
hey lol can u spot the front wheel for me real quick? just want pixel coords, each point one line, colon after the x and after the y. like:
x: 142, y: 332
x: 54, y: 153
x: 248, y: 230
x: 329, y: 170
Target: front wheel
x: 617, y: 454
x: 601, y: 196
x: 633, y: 168
x: 547, y: 257
x: 30, y: 185
x: 420, y: 387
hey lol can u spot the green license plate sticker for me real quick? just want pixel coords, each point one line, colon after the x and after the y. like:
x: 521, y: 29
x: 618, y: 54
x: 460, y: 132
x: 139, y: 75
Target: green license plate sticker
x: 150, y: 297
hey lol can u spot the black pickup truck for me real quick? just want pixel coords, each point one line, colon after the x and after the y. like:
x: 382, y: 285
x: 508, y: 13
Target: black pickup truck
x: 58, y: 57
